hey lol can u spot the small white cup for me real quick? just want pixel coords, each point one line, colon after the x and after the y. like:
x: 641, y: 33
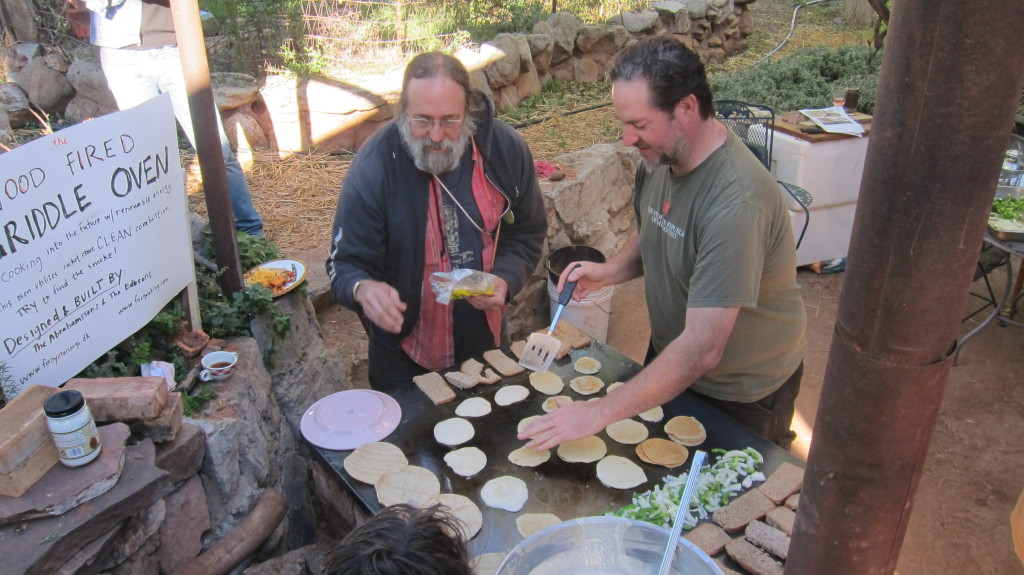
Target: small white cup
x: 218, y: 365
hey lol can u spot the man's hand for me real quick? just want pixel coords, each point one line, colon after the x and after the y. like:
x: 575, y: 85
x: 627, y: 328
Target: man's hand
x: 572, y: 420
x: 496, y: 300
x: 381, y: 304
x: 589, y: 277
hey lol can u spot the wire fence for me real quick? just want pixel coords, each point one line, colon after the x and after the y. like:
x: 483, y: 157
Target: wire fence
x: 356, y: 33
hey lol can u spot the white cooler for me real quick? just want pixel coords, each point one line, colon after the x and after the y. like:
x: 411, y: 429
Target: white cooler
x: 831, y: 172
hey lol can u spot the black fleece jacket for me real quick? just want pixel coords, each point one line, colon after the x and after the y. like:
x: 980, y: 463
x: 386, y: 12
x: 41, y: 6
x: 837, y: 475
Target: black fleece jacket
x: 380, y: 222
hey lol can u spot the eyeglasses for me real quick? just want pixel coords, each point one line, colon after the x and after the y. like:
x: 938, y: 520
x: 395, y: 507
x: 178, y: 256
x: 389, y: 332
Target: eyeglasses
x: 426, y: 124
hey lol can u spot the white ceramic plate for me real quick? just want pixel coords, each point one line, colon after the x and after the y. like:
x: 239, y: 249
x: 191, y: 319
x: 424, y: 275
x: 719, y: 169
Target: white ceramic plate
x: 295, y: 266
x: 348, y: 419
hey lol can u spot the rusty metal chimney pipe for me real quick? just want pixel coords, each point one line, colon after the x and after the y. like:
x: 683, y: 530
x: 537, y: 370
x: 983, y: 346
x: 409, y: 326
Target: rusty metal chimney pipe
x: 189, y: 32
x: 951, y: 79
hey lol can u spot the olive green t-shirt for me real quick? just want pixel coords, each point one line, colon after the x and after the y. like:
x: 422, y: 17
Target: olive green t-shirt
x: 720, y: 236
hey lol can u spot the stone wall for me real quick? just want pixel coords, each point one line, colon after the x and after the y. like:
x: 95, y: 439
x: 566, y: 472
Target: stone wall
x: 592, y: 206
x: 166, y: 503
x: 295, y: 114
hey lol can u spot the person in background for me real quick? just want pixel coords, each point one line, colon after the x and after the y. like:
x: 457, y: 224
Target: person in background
x: 139, y: 57
x: 403, y: 540
x: 444, y: 185
x: 716, y: 250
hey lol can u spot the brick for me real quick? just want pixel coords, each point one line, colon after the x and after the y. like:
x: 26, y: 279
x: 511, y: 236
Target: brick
x: 708, y: 537
x: 742, y: 510
x: 23, y: 427
x: 786, y: 480
x: 768, y: 538
x: 782, y: 519
x: 752, y: 559
x: 44, y: 545
x: 793, y: 501
x: 122, y: 398
x: 726, y: 570
x: 63, y: 488
x: 17, y: 482
x: 164, y: 427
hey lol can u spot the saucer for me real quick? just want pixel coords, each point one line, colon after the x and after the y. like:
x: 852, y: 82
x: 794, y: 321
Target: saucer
x: 348, y: 419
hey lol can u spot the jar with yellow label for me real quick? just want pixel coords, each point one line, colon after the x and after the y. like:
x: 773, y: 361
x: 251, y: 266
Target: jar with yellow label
x: 72, y: 427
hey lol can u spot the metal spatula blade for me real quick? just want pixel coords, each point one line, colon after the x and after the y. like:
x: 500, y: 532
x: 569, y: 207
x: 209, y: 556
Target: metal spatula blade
x: 541, y: 349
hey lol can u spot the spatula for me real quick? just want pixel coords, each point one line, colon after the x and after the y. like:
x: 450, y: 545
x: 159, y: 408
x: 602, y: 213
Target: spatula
x: 541, y: 348
x: 684, y: 509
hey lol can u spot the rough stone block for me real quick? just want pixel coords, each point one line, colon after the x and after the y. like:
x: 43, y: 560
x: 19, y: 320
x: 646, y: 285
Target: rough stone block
x: 63, y: 488
x: 44, y: 545
x: 188, y: 517
x: 122, y: 398
x: 164, y: 427
x: 138, y: 536
x: 183, y: 456
x: 83, y: 563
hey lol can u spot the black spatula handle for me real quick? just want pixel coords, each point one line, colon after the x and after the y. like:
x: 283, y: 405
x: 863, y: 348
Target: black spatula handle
x: 567, y: 289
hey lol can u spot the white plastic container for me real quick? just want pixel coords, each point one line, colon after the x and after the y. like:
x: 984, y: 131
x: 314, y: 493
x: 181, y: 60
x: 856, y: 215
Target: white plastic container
x: 588, y: 314
x: 72, y: 427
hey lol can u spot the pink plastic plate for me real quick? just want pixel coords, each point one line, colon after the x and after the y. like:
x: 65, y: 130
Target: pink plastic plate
x: 348, y: 419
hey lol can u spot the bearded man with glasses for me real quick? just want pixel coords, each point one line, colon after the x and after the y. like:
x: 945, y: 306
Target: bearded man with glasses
x: 444, y: 185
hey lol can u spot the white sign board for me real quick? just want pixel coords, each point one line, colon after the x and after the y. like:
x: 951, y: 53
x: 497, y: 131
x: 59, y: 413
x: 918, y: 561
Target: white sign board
x: 93, y: 240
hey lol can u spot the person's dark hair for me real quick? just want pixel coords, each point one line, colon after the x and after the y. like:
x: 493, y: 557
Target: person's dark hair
x: 672, y: 71
x: 404, y: 540
x: 439, y: 64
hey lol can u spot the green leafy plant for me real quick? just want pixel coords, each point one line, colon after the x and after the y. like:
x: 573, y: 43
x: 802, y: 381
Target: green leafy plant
x: 195, y: 401
x: 1009, y: 208
x: 6, y: 385
x: 222, y: 317
x: 805, y: 79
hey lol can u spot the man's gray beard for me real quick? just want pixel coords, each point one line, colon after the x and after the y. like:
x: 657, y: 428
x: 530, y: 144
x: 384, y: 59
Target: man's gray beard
x: 420, y: 149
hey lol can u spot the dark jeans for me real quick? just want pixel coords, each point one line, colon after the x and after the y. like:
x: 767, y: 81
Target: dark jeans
x: 770, y: 417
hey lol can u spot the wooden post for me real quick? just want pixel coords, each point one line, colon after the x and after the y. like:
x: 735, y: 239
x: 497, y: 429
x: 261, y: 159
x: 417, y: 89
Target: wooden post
x: 189, y: 32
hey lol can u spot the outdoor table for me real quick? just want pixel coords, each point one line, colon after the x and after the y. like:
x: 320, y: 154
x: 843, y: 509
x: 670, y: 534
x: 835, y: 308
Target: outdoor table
x: 568, y: 490
x: 1012, y: 249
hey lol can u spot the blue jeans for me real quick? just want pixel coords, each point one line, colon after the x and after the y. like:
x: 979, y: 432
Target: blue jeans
x: 135, y: 76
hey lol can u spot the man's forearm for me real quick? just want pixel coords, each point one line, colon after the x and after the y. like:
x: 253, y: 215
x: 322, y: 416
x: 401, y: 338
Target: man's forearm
x: 698, y: 349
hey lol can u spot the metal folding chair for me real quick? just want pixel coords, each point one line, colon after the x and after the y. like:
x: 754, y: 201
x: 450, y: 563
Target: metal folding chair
x: 991, y: 258
x: 754, y: 124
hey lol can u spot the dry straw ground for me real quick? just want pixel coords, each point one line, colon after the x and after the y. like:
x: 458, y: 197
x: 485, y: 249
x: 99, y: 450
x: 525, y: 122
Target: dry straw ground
x: 297, y: 194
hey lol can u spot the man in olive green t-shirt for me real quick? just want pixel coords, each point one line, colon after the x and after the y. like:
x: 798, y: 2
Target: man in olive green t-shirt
x: 716, y: 250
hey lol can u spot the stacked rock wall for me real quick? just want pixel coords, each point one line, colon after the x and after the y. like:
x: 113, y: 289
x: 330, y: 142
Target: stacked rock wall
x: 293, y: 115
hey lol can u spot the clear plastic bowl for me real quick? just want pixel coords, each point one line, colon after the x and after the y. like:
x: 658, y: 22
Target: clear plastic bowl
x: 603, y: 546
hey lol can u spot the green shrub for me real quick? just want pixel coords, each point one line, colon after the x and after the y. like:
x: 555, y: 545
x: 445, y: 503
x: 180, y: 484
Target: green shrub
x: 805, y: 79
x: 222, y: 317
x: 6, y: 384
